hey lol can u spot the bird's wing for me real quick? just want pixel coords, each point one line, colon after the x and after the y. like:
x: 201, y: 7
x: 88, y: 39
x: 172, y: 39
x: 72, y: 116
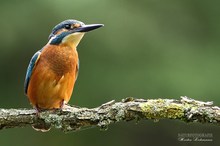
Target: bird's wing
x: 30, y: 68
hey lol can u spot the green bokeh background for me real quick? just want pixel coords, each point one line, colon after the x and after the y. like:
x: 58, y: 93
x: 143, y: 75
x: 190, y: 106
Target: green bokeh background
x: 147, y: 49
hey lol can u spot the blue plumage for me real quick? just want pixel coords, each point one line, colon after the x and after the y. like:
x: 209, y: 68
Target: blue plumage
x: 30, y: 69
x: 58, y: 39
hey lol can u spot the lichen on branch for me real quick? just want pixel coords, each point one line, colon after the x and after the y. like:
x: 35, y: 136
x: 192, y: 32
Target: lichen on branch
x: 75, y: 118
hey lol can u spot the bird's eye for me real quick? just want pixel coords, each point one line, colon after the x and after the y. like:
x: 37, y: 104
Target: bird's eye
x: 67, y: 26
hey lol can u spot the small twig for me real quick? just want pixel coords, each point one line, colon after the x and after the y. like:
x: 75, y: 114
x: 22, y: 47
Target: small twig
x: 72, y: 118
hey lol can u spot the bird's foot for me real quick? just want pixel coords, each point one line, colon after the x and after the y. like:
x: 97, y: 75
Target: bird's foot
x: 64, y: 105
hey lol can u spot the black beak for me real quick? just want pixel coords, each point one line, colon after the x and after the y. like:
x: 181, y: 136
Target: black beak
x: 87, y: 28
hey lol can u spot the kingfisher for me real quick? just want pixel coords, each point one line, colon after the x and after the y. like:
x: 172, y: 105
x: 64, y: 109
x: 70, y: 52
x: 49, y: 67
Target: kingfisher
x: 53, y: 70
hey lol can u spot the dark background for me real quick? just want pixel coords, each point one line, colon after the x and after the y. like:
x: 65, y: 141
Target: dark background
x: 147, y: 49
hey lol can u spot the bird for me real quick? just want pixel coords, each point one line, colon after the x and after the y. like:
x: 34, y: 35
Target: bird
x: 53, y: 70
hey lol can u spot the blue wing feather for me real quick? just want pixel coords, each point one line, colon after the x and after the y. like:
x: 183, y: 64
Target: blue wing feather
x: 30, y: 69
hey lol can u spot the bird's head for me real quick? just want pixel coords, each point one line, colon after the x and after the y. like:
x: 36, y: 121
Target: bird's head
x: 70, y: 32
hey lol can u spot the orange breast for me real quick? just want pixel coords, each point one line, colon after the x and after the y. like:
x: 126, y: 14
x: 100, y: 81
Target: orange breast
x: 53, y: 77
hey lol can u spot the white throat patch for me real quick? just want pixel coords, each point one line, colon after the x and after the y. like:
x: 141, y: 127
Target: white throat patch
x: 73, y: 38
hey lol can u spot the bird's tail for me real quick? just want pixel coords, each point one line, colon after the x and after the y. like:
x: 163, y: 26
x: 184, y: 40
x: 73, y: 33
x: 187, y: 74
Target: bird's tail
x: 42, y: 127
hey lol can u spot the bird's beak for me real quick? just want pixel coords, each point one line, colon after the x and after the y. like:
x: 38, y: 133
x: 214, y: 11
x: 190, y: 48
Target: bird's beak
x: 87, y: 28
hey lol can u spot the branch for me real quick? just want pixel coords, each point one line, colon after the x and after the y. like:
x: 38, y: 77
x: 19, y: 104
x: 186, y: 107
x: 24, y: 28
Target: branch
x: 76, y: 118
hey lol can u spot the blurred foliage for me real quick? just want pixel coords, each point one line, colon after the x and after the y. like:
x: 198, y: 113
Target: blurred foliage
x: 147, y: 49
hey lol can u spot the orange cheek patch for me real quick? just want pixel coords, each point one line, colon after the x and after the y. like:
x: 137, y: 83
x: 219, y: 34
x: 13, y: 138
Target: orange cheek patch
x: 60, y: 31
x: 76, y: 25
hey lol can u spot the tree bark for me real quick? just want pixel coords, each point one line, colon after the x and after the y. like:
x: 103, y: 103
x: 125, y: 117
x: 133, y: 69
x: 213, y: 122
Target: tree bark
x: 75, y: 118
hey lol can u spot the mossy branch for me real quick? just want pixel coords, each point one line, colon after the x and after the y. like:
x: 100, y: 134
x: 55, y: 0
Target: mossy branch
x: 76, y: 118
